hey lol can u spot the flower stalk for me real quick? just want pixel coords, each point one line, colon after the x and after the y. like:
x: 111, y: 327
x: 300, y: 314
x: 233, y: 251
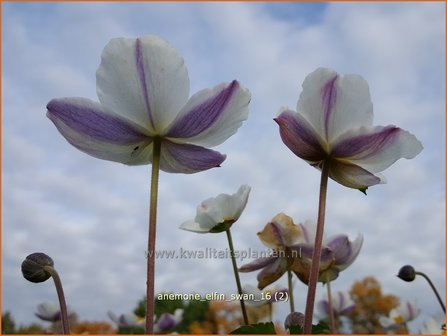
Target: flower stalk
x: 61, y: 297
x: 331, y: 309
x: 313, y: 278
x: 236, y: 275
x: 433, y: 288
x: 152, y: 235
x: 290, y: 285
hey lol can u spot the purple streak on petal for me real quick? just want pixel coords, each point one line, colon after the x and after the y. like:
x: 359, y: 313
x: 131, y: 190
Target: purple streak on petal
x: 324, y: 306
x: 188, y: 159
x: 203, y: 116
x: 271, y: 273
x: 329, y: 99
x: 410, y: 311
x: 139, y: 61
x: 341, y: 247
x: 277, y: 233
x: 88, y: 118
x: 257, y: 264
x: 364, y: 146
x: 166, y: 322
x: 298, y: 135
x: 305, y: 233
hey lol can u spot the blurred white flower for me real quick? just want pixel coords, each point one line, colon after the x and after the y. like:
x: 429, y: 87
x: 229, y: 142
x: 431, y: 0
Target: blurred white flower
x: 404, y: 313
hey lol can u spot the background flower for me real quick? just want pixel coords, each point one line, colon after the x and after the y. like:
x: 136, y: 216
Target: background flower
x: 219, y: 213
x: 405, y: 312
x: 341, y: 305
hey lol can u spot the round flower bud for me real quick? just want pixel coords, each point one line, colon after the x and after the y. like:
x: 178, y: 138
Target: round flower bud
x: 33, y: 267
x: 407, y: 273
x: 294, y: 320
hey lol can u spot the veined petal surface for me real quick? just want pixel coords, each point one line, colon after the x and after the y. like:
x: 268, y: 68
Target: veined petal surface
x: 301, y: 138
x: 98, y: 132
x: 376, y: 148
x: 334, y: 103
x: 143, y: 79
x: 188, y: 159
x: 212, y: 115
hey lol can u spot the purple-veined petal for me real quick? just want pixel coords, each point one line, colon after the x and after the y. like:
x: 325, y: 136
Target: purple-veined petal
x: 211, y: 116
x: 355, y: 247
x: 272, y: 272
x: 143, y: 79
x: 352, y: 176
x: 188, y: 159
x: 308, y: 229
x: 92, y: 129
x: 300, y: 137
x: 257, y: 264
x: 376, y: 148
x: 334, y: 103
x: 301, y: 265
x: 341, y: 247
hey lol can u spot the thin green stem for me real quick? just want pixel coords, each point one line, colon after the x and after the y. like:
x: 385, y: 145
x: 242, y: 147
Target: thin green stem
x: 331, y: 309
x: 433, y: 288
x: 313, y: 277
x: 61, y: 297
x: 151, y: 238
x: 236, y: 275
x: 290, y: 285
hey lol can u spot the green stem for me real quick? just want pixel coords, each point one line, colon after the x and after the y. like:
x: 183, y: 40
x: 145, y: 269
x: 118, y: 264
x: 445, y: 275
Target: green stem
x: 61, y: 297
x: 313, y: 277
x: 236, y: 275
x: 331, y: 309
x: 290, y: 285
x: 151, y: 238
x: 433, y: 288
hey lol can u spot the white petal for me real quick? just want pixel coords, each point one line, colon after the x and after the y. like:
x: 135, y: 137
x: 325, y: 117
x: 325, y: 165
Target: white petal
x: 144, y: 80
x: 193, y: 226
x: 376, y: 148
x: 349, y: 104
x: 211, y: 116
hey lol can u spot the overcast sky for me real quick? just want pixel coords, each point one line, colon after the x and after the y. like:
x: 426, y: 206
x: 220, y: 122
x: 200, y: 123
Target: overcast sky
x: 91, y: 215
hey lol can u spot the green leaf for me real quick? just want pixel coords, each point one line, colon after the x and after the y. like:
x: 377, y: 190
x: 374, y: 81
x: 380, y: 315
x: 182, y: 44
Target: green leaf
x: 259, y: 328
x: 320, y: 328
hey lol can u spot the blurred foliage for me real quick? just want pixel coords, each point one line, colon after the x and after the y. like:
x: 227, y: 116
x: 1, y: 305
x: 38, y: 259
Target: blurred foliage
x: 222, y: 317
x: 9, y: 326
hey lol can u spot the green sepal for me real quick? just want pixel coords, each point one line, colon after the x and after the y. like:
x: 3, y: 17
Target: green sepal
x: 267, y: 328
x: 221, y: 227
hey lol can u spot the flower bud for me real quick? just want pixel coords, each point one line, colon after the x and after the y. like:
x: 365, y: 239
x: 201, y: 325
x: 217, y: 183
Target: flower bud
x: 295, y: 319
x: 407, y: 273
x: 33, y: 267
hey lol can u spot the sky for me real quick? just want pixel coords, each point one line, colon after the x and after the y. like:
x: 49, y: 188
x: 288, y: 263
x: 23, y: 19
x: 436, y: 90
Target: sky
x: 91, y: 216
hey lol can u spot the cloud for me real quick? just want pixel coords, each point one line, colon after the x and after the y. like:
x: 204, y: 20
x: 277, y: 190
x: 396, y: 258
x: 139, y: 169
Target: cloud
x: 91, y: 215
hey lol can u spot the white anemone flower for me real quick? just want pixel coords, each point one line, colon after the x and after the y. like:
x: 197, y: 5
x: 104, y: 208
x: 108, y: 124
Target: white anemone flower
x: 218, y: 214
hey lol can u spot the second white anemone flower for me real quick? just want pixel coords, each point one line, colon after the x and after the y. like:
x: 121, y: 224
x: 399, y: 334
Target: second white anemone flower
x: 217, y: 214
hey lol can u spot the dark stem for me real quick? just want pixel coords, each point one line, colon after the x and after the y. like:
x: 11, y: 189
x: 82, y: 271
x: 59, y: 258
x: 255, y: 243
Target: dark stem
x: 61, y: 297
x: 434, y: 289
x: 236, y: 275
x: 331, y: 309
x: 151, y: 239
x: 313, y: 277
x: 290, y: 285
